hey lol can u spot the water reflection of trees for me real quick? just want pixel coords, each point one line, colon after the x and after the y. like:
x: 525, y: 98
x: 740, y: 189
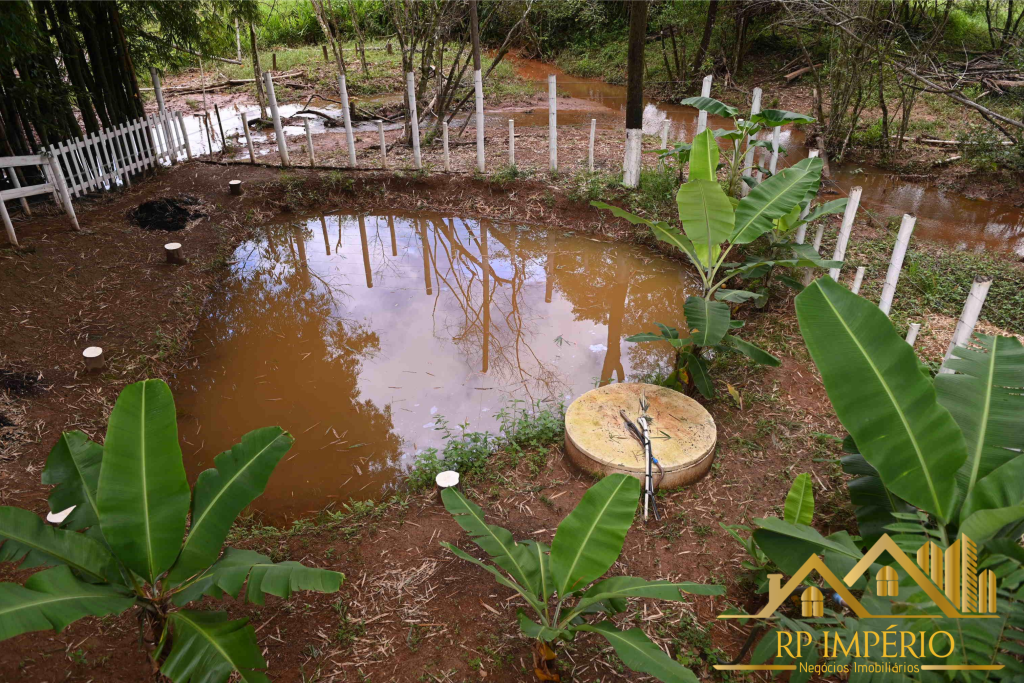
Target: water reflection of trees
x: 279, y: 310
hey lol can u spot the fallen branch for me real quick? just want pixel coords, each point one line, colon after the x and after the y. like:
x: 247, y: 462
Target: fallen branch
x: 800, y: 72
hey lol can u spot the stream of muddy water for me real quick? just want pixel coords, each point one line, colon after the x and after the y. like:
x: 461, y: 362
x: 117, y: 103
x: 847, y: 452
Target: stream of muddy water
x: 361, y: 334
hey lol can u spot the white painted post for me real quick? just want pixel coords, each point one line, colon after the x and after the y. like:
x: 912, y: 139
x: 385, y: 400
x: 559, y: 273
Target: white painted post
x: 62, y: 187
x: 410, y: 81
x: 478, y: 86
x: 664, y: 143
x: 136, y: 165
x: 968, y: 319
x: 844, y: 230
x: 590, y: 153
x: 444, y: 140
x: 776, y: 139
x: 118, y: 139
x: 383, y: 145
x: 238, y: 42
x: 184, y: 133
x: 702, y: 116
x: 248, y: 138
x: 801, y: 232
x: 511, y: 143
x: 282, y: 146
x: 552, y: 124
x: 858, y: 279
x: 748, y: 161
x: 13, y: 174
x: 8, y: 226
x: 309, y: 143
x: 912, y: 333
x: 159, y: 91
x: 631, y: 162
x: 93, y: 357
x: 346, y: 115
x: 896, y: 262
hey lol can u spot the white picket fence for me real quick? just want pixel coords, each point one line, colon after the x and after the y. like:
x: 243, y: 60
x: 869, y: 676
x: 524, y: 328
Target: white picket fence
x: 104, y: 160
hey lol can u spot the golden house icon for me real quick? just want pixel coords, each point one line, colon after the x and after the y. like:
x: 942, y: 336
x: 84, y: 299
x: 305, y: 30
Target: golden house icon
x: 949, y: 578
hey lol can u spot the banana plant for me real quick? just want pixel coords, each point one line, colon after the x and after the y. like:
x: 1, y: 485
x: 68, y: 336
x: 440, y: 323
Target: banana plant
x: 713, y: 225
x: 122, y: 546
x: 563, y: 585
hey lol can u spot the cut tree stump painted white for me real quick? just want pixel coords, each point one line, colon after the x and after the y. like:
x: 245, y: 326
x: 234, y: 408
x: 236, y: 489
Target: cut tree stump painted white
x: 93, y: 357
x: 590, y: 152
x: 968, y: 318
x: 248, y: 138
x: 449, y: 479
x: 702, y: 116
x: 844, y: 230
x: 748, y: 159
x: 383, y: 144
x: 235, y: 187
x: 858, y: 280
x: 596, y: 439
x: 282, y: 145
x: 346, y: 116
x: 511, y: 142
x: 478, y: 86
x: 414, y: 120
x: 552, y: 124
x: 309, y: 143
x: 896, y: 262
x: 912, y: 333
x: 172, y: 252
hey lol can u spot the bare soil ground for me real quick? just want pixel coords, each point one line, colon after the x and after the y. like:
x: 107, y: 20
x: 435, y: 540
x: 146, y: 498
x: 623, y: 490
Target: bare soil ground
x: 408, y: 611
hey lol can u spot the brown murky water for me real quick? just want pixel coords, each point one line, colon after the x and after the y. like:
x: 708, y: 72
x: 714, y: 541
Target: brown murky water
x: 357, y: 334
x: 942, y: 216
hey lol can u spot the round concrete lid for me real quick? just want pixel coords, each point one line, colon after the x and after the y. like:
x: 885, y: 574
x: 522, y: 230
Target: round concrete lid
x: 683, y: 433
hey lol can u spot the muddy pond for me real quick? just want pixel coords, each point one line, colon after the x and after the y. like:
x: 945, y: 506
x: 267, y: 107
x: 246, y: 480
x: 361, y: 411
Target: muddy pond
x: 364, y: 335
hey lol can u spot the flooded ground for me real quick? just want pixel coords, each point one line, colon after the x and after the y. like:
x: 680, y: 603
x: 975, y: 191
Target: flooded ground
x: 360, y: 334
x: 949, y: 217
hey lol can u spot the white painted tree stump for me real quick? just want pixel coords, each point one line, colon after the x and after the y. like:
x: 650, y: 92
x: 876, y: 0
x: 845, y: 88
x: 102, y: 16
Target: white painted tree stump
x: 448, y: 479
x: 597, y: 440
x: 172, y: 250
x: 93, y: 358
x: 235, y: 186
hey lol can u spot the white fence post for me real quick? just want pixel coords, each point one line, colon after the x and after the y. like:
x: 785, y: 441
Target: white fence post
x: 444, y: 140
x: 478, y: 86
x: 776, y: 139
x: 664, y: 143
x: 844, y: 230
x: 248, y: 138
x: 552, y: 124
x: 912, y: 333
x: 748, y: 160
x: 590, y: 152
x: 282, y: 146
x: 184, y: 134
x: 62, y: 187
x: 346, y: 116
x: 414, y: 121
x: 383, y: 145
x: 309, y: 143
x: 702, y: 116
x: 13, y: 174
x: 858, y: 280
x: 158, y: 90
x: 968, y: 319
x: 8, y: 226
x: 511, y: 142
x: 899, y: 251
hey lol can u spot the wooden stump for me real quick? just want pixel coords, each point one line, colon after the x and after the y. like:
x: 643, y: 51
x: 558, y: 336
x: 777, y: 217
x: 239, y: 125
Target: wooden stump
x: 93, y: 357
x: 235, y: 187
x: 172, y: 250
x: 683, y: 433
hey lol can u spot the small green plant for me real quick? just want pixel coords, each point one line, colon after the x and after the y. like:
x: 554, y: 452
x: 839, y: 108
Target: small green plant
x: 709, y: 221
x: 586, y: 544
x: 121, y: 544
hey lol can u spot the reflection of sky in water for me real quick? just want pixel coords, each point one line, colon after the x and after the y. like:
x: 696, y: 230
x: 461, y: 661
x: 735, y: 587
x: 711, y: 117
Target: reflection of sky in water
x: 396, y: 321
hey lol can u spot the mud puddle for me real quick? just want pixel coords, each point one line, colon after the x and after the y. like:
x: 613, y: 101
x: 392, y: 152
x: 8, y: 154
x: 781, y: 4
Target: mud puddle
x: 362, y: 335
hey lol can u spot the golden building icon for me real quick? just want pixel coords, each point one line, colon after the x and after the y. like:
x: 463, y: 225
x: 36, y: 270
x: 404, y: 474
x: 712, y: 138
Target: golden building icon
x: 956, y: 571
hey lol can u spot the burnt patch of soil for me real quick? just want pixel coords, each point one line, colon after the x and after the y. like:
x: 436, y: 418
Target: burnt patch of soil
x: 167, y: 213
x: 18, y: 383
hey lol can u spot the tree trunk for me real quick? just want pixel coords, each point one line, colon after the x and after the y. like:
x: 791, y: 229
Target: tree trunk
x: 635, y: 93
x: 705, y: 41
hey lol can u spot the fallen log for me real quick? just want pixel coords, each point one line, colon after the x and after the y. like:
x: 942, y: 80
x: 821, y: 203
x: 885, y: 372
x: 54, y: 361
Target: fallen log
x: 790, y: 77
x: 186, y: 89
